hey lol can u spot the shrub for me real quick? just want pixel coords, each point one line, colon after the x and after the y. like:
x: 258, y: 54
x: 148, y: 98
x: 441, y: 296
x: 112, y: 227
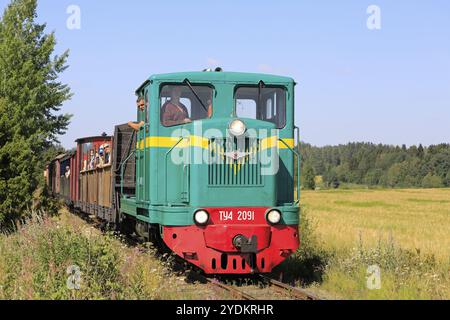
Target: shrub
x: 405, y: 274
x: 34, y: 264
x: 308, y: 177
x: 432, y: 181
x: 309, y: 263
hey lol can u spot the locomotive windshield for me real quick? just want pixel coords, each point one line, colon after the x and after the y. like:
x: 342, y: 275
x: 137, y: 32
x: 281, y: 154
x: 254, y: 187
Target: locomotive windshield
x: 181, y: 104
x: 267, y: 104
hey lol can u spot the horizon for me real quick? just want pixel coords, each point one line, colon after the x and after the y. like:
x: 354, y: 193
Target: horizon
x: 377, y: 144
x: 388, y: 85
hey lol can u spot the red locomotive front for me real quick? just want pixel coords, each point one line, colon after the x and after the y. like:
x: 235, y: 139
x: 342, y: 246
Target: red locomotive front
x: 234, y: 241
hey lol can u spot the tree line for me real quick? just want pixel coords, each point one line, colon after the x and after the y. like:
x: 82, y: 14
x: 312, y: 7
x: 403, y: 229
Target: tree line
x: 376, y: 165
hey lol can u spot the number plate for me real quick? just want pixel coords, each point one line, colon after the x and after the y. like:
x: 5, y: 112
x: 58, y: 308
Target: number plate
x: 237, y: 215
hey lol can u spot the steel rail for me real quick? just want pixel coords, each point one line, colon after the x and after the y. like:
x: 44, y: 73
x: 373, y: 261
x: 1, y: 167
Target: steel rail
x: 299, y: 293
x: 235, y: 292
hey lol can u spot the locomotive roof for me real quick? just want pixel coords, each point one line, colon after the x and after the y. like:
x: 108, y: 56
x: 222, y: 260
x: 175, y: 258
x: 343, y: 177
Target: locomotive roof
x: 230, y: 77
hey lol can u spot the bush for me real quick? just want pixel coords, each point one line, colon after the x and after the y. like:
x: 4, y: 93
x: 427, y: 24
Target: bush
x: 35, y: 261
x: 447, y: 179
x: 308, y: 177
x: 432, y: 181
x: 308, y: 264
x: 405, y: 274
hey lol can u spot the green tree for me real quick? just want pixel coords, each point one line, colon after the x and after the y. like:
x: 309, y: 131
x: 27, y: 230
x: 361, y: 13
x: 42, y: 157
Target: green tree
x: 394, y: 175
x: 30, y: 98
x: 420, y: 151
x: 447, y: 179
x: 373, y: 177
x: 308, y: 177
x: 432, y: 181
x: 331, y: 179
x: 370, y: 164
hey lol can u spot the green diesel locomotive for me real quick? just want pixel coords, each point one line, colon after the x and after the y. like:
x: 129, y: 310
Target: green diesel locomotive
x: 207, y: 169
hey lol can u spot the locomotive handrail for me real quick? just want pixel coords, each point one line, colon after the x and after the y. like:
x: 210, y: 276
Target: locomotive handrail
x: 146, y: 128
x: 298, y: 135
x: 122, y: 166
x: 187, y: 174
x: 298, y: 169
x: 165, y: 164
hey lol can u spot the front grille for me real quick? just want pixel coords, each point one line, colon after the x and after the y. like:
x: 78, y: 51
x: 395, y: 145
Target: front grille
x: 234, y: 162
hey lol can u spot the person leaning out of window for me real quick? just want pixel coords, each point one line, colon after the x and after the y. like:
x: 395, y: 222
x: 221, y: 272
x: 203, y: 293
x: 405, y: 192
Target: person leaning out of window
x: 141, y: 106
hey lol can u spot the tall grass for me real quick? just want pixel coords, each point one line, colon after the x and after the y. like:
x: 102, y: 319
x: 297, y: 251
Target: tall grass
x: 343, y: 273
x: 405, y: 274
x: 34, y: 264
x: 416, y: 219
x: 308, y: 265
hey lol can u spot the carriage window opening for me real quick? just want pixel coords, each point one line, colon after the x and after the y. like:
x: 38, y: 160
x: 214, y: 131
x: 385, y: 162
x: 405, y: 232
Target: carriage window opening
x: 64, y: 168
x: 180, y: 105
x: 267, y: 104
x: 95, y: 155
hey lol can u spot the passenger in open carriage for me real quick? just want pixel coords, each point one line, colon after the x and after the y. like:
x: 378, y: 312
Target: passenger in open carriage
x: 92, y: 160
x: 107, y: 154
x: 101, y: 158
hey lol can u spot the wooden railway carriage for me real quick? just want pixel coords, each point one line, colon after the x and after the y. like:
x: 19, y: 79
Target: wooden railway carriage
x: 93, y: 180
x: 217, y: 187
x: 64, y: 176
x: 53, y: 174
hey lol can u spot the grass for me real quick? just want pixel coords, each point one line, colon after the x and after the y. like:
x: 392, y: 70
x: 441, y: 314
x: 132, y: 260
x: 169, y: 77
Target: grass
x: 366, y: 204
x: 403, y: 232
x: 414, y: 219
x: 404, y: 274
x: 35, y: 260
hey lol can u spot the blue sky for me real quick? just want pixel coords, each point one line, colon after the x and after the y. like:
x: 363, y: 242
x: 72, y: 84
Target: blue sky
x: 384, y: 86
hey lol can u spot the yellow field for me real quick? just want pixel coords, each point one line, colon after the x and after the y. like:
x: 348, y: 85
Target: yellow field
x: 414, y: 219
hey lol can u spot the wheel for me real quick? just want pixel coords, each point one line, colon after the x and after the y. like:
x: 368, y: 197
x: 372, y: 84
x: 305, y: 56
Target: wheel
x: 127, y: 226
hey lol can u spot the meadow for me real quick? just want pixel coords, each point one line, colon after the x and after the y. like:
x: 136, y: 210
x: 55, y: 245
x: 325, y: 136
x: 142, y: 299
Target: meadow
x: 406, y: 233
x: 416, y: 219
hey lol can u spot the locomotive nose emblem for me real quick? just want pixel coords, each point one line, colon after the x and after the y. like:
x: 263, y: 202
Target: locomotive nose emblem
x: 236, y: 155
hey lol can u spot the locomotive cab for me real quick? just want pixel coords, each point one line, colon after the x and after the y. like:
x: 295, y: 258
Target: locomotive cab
x: 215, y: 169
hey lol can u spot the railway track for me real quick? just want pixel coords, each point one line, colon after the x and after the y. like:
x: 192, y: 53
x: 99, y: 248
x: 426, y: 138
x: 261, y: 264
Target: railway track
x: 295, y: 292
x: 239, y: 294
x: 286, y: 290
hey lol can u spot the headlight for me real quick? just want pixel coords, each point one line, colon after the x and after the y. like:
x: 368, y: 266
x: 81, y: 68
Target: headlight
x: 237, y: 128
x: 201, y: 217
x: 274, y: 217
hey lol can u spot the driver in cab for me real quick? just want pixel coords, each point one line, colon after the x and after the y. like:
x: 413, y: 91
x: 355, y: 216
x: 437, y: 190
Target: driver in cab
x: 173, y: 112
